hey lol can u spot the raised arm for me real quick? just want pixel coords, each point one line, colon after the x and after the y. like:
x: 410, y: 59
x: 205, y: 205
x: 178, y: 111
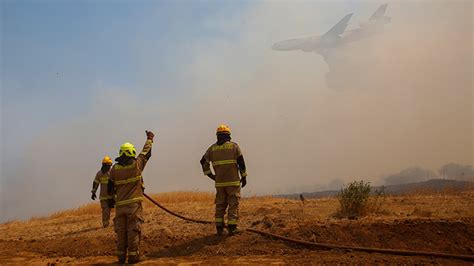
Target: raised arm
x: 145, y: 154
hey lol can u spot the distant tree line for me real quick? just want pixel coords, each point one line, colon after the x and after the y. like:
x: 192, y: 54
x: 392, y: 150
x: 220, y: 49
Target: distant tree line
x: 419, y: 174
x: 456, y: 171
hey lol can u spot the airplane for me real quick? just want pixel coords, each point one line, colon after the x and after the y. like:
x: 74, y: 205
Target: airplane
x: 337, y: 35
x: 319, y: 44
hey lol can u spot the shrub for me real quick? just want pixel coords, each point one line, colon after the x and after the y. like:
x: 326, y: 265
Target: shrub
x: 354, y: 199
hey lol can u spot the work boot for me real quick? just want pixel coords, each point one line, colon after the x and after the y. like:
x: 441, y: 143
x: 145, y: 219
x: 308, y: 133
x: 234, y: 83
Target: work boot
x: 121, y: 260
x: 135, y: 259
x: 233, y: 229
x: 219, y: 230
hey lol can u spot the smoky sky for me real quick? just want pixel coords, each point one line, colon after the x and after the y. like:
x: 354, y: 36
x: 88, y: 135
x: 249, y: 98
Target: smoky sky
x: 399, y: 99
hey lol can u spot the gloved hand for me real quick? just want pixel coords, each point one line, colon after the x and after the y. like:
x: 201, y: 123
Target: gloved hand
x: 211, y: 176
x: 149, y: 135
x: 243, y: 180
x: 93, y: 197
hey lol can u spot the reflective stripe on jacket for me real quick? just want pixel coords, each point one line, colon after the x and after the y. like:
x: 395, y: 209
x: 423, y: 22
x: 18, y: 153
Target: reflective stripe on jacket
x: 224, y: 162
x: 127, y: 179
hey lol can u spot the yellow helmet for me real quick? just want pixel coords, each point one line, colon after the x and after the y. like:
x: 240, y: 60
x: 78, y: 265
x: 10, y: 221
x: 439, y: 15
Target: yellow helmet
x: 128, y: 149
x: 223, y: 129
x: 107, y: 160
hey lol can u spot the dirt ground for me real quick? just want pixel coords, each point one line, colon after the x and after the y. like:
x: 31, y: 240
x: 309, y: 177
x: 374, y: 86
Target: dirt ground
x: 442, y: 222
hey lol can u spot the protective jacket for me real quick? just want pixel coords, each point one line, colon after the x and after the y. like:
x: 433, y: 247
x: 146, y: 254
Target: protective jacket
x: 127, y: 180
x: 102, y: 180
x: 227, y: 161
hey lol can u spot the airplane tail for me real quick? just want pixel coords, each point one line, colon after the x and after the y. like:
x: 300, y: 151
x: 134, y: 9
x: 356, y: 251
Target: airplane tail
x: 379, y: 15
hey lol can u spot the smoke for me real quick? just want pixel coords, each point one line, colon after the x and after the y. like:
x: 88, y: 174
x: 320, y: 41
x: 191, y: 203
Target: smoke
x: 401, y: 98
x: 457, y: 171
x: 410, y: 175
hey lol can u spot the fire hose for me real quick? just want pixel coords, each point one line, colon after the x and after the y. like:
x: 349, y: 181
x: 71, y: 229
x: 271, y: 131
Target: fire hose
x: 323, y: 245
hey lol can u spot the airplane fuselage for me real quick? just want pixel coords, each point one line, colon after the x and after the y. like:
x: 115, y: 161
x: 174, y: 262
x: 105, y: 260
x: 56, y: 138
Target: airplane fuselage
x: 309, y: 44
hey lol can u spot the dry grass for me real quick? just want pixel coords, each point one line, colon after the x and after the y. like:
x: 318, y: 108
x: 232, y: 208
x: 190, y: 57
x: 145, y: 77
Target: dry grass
x: 428, y: 204
x: 88, y: 209
x: 168, y: 197
x: 76, y: 233
x: 183, y: 196
x: 440, y: 205
x: 376, y: 205
x: 259, y: 198
x: 255, y: 210
x: 448, y: 191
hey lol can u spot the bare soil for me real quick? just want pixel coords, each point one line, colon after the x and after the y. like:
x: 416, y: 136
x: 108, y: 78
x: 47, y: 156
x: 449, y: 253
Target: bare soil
x: 434, y: 222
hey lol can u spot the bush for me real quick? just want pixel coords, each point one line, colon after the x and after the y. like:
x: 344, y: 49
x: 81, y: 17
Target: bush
x: 353, y: 199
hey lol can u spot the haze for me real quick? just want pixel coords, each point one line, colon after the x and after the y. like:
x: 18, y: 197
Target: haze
x: 78, y: 79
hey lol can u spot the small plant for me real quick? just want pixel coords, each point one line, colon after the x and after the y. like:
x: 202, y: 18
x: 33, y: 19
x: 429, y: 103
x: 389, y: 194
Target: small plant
x: 354, y: 199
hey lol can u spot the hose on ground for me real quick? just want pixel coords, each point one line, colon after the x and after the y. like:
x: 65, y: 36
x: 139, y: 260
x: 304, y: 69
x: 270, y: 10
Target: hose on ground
x: 326, y: 246
x: 175, y: 214
x: 370, y: 250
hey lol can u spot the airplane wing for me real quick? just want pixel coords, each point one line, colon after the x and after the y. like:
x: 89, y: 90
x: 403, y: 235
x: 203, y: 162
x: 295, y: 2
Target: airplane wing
x: 379, y: 13
x: 340, y: 26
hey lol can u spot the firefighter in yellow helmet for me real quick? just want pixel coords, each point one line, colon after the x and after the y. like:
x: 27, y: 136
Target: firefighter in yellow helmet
x: 106, y: 198
x: 227, y: 161
x: 127, y: 182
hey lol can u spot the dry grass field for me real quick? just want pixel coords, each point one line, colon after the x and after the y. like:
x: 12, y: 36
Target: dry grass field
x: 437, y: 222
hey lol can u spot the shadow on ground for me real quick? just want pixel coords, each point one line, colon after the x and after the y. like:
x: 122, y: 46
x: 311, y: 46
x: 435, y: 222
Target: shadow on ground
x: 188, y: 247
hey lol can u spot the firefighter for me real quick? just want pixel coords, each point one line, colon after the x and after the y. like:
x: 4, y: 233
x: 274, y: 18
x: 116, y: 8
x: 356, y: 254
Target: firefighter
x: 127, y: 182
x: 106, y: 199
x: 227, y: 161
